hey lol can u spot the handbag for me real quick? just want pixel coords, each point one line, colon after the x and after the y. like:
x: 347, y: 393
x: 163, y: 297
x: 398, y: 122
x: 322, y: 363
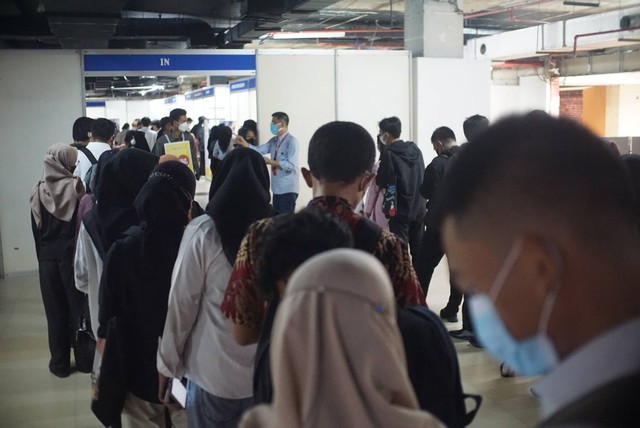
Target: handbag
x: 85, y: 344
x: 110, y: 389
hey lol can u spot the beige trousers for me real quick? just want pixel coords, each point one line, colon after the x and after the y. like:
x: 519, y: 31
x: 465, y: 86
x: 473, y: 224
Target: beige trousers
x: 138, y: 413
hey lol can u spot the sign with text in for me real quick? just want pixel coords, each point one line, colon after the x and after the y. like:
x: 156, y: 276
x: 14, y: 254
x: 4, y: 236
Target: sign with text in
x: 170, y: 63
x: 182, y: 151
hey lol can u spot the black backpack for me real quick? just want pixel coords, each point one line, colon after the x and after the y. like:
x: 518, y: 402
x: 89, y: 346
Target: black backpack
x: 433, y: 368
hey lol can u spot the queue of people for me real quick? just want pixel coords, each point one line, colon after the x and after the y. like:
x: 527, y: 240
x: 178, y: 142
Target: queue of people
x: 264, y: 317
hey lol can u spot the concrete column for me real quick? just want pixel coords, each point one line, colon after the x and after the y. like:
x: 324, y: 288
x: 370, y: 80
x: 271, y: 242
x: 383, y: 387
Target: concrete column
x: 433, y: 28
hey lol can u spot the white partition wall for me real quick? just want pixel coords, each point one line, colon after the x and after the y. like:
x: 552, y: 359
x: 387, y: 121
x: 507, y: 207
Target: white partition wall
x: 242, y: 100
x: 447, y: 91
x: 36, y: 87
x: 372, y: 85
x: 530, y: 93
x: 300, y: 83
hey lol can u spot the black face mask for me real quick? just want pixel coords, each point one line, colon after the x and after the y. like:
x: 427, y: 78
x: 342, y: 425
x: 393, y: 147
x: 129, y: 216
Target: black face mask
x: 251, y: 141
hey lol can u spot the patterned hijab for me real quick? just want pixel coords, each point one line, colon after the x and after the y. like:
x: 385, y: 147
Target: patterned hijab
x: 58, y: 191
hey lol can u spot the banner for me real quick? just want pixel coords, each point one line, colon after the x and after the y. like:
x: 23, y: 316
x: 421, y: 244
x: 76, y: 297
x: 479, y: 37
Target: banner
x: 182, y: 151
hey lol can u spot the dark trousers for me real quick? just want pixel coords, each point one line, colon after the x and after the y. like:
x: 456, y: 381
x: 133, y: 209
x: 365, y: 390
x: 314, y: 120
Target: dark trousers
x: 285, y: 203
x: 430, y: 254
x: 63, y: 307
x: 411, y: 233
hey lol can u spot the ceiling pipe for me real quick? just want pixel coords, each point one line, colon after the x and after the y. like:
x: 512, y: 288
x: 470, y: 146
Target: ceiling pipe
x: 506, y: 9
x: 597, y: 33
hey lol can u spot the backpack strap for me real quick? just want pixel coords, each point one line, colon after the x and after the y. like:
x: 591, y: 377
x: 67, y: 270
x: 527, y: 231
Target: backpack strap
x: 366, y: 235
x: 91, y: 225
x: 87, y: 153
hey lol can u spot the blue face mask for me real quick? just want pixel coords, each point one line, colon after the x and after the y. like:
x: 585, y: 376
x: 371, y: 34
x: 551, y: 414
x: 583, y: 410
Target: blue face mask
x: 535, y: 355
x: 274, y: 128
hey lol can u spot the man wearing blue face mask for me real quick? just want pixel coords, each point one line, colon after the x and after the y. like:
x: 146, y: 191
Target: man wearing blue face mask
x: 283, y: 162
x: 538, y: 224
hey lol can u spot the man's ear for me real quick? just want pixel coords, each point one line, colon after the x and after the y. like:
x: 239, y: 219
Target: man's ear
x: 308, y: 177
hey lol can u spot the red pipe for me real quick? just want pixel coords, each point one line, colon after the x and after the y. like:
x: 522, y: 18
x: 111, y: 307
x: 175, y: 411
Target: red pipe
x: 597, y: 33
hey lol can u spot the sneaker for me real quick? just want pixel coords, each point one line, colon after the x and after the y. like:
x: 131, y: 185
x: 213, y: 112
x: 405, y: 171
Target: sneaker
x: 474, y: 342
x: 461, y: 334
x: 449, y: 315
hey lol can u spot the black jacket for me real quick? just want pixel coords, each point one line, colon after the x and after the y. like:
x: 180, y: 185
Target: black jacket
x: 402, y: 164
x: 433, y: 176
x: 55, y: 239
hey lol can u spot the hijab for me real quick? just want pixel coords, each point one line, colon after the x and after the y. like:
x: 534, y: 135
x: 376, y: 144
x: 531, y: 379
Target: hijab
x: 239, y: 196
x: 120, y: 180
x: 58, y: 191
x: 336, y: 353
x: 163, y: 206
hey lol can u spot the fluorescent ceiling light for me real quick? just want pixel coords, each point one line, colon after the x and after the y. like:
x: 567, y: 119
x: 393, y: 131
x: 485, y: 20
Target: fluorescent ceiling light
x: 581, y: 3
x: 285, y: 35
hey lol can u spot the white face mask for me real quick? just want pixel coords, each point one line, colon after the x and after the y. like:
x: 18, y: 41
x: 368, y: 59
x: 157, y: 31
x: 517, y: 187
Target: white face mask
x: 534, y: 355
x: 183, y: 127
x: 383, y: 140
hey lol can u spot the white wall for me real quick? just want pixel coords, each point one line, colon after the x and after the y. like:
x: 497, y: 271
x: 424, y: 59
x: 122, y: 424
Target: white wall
x: 302, y: 84
x: 623, y: 111
x: 43, y: 87
x: 447, y: 91
x: 372, y: 85
x: 319, y: 86
x: 96, y: 112
x: 532, y: 93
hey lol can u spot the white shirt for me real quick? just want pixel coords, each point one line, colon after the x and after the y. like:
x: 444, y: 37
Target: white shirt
x: 197, y: 341
x: 150, y: 136
x: 83, y: 163
x: 608, y: 357
x: 88, y: 271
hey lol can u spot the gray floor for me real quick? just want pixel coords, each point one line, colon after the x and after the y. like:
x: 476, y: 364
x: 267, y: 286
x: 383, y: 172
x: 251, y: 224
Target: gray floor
x: 31, y: 397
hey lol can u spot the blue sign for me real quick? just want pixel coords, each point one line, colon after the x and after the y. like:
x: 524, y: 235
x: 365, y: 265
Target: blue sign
x: 171, y: 100
x: 242, y: 85
x: 168, y: 62
x: 96, y: 103
x: 200, y: 93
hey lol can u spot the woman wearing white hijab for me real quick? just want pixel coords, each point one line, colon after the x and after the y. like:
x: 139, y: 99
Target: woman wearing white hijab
x: 54, y: 203
x: 336, y: 352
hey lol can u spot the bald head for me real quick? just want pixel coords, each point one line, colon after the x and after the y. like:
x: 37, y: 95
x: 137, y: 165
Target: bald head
x: 537, y: 174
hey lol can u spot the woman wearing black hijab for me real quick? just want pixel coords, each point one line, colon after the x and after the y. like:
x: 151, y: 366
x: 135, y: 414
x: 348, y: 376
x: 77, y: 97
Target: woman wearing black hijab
x: 120, y: 178
x: 136, y: 282
x: 197, y: 341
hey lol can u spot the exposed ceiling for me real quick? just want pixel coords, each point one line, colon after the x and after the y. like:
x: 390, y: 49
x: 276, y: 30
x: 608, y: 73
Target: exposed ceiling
x: 140, y: 24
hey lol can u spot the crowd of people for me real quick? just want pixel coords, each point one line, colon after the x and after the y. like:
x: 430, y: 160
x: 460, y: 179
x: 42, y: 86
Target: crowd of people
x: 262, y: 316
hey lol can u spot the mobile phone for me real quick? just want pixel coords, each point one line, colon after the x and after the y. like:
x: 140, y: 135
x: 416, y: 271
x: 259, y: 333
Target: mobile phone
x: 179, y: 392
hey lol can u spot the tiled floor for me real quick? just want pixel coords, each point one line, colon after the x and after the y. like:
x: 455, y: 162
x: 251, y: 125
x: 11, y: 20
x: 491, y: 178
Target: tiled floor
x: 31, y: 397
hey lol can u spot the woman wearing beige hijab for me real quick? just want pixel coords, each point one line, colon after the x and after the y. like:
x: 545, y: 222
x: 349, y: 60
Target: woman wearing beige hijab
x: 336, y: 354
x: 54, y: 203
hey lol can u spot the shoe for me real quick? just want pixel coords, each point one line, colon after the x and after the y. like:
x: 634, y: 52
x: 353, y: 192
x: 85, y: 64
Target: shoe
x: 461, y: 334
x: 449, y: 315
x: 60, y: 373
x: 474, y: 342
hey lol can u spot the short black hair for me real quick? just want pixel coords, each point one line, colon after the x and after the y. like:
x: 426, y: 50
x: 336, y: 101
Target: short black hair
x: 201, y: 120
x: 177, y: 113
x: 103, y: 129
x: 474, y: 125
x: 294, y: 238
x: 535, y: 171
x: 125, y: 126
x: 391, y: 125
x: 443, y: 133
x: 252, y: 125
x: 340, y: 151
x: 281, y: 117
x: 81, y: 128
x: 165, y: 121
x: 224, y: 137
x: 145, y: 121
x: 156, y: 123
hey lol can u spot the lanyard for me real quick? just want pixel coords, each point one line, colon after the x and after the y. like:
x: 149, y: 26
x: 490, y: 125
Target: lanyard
x: 275, y: 155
